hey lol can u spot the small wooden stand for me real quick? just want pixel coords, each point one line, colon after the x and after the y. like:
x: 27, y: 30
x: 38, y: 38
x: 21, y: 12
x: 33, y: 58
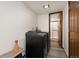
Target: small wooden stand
x: 14, y: 52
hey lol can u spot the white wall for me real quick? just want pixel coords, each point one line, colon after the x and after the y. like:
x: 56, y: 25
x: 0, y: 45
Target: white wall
x: 43, y: 22
x: 65, y: 29
x: 15, y: 20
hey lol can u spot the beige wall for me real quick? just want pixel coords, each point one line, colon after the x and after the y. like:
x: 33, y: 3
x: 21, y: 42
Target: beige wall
x: 43, y: 22
x: 15, y: 20
x: 65, y: 29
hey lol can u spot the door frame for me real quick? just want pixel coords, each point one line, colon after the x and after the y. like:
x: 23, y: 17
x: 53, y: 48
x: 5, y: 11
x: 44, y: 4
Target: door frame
x: 61, y: 25
x: 69, y: 28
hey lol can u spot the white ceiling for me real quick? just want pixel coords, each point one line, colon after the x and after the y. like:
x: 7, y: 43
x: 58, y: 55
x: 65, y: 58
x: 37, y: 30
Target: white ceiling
x: 37, y: 6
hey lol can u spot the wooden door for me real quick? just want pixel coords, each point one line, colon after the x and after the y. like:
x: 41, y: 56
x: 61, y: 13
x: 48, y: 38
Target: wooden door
x: 56, y: 29
x: 74, y: 28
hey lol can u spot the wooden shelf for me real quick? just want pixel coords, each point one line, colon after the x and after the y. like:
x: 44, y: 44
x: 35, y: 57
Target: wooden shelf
x: 11, y: 54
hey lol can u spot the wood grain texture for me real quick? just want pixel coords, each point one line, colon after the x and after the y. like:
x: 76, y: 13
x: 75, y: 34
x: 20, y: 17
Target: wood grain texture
x: 74, y: 29
x: 11, y: 54
x: 59, y: 22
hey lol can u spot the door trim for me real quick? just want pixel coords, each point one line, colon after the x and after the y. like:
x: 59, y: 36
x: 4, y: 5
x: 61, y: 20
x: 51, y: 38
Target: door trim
x: 69, y: 29
x: 61, y: 25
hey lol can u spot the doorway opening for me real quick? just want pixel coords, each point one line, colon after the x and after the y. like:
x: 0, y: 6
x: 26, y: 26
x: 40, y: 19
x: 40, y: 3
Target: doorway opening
x: 55, y: 29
